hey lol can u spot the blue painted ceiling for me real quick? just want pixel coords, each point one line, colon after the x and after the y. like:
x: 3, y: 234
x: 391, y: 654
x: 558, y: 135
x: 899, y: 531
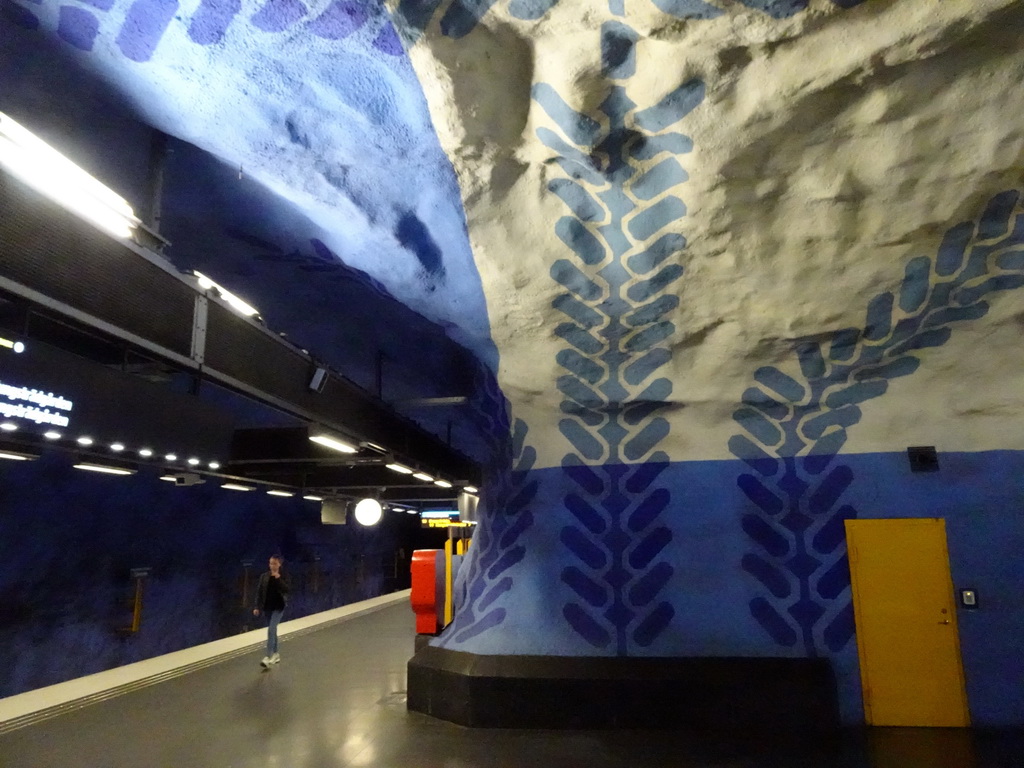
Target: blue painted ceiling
x: 304, y: 173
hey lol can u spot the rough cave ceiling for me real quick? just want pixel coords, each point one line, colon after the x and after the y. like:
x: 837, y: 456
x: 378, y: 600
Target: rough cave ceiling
x: 326, y: 150
x: 671, y: 218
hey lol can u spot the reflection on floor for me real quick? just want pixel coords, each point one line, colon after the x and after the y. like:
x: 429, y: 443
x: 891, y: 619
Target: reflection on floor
x: 338, y: 699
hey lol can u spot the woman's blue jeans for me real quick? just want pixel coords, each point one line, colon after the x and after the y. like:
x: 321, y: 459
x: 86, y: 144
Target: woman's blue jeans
x: 275, y: 619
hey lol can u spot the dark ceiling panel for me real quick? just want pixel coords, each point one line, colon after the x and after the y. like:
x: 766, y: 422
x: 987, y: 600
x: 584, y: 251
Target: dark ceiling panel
x: 57, y: 254
x: 109, y: 405
x: 69, y: 271
x: 262, y: 361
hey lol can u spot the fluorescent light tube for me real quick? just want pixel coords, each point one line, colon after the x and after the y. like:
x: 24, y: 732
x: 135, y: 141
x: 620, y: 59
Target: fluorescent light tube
x: 236, y: 487
x: 276, y: 492
x: 15, y: 456
x: 442, y: 483
x: 236, y: 303
x: 423, y: 476
x: 470, y: 489
x: 330, y: 442
x: 246, y: 309
x: 400, y: 468
x: 313, y: 498
x: 104, y: 469
x: 45, y: 169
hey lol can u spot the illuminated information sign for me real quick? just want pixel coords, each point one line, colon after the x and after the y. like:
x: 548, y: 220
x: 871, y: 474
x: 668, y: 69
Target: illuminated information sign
x: 34, y: 405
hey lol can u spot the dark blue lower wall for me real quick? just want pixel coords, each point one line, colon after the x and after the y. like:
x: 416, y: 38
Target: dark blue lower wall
x: 698, y: 559
x: 69, y: 539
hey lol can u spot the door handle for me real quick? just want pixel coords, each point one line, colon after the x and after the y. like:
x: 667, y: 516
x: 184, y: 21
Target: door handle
x: 944, y: 622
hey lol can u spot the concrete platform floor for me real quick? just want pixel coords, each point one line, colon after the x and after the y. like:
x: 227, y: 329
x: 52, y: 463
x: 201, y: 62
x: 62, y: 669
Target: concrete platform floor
x: 338, y: 699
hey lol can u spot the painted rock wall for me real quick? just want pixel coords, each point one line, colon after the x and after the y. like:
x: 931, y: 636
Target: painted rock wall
x: 737, y: 258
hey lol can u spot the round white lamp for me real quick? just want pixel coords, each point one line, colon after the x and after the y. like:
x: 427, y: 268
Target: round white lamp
x: 368, y: 512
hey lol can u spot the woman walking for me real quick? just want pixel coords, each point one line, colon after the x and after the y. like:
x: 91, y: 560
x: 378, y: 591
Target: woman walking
x: 271, y: 598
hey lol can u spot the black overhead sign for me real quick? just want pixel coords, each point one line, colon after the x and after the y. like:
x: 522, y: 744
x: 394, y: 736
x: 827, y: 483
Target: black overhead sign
x: 43, y: 389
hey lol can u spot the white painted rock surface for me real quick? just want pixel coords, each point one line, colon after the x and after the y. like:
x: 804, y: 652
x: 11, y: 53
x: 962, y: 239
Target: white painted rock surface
x: 830, y: 149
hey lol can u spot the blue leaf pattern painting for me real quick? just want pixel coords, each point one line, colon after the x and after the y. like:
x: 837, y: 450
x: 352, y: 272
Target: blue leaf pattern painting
x: 497, y: 545
x: 463, y: 16
x: 147, y: 21
x: 794, y: 428
x: 616, y: 173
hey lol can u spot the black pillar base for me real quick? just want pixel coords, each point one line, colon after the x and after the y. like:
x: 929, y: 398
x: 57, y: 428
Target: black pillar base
x: 422, y: 641
x: 722, y: 694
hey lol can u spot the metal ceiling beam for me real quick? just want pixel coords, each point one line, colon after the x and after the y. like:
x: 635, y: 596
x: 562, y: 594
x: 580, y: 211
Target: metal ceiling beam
x: 425, y: 497
x: 53, y: 259
x: 313, y: 476
x: 286, y: 456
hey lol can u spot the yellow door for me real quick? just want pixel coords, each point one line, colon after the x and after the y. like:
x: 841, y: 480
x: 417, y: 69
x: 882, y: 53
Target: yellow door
x: 906, y: 623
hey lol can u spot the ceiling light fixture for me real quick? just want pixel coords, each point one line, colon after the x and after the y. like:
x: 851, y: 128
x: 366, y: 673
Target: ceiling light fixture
x: 368, y: 512
x: 442, y: 483
x: 236, y: 303
x: 117, y: 447
x: 471, y: 489
x: 169, y: 478
x: 46, y: 170
x: 52, y: 435
x: 333, y: 443
x: 8, y: 426
x: 17, y: 346
x: 171, y: 457
x: 276, y: 492
x: 10, y: 456
x: 105, y: 469
x: 400, y: 468
x: 193, y: 462
x: 313, y: 498
x: 423, y: 476
x: 146, y: 453
x: 214, y: 465
x: 237, y: 487
x: 84, y: 440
